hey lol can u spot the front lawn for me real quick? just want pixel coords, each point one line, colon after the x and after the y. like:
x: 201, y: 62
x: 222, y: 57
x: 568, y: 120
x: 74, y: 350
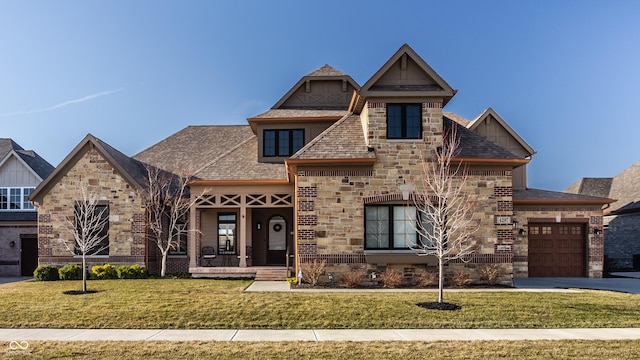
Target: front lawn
x: 330, y: 350
x: 218, y: 304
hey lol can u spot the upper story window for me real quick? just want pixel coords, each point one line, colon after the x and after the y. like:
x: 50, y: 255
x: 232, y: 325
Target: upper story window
x: 15, y: 198
x: 282, y: 142
x: 404, y: 121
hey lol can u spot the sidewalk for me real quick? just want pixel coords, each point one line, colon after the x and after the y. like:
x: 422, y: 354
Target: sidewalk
x: 359, y: 335
x: 283, y: 286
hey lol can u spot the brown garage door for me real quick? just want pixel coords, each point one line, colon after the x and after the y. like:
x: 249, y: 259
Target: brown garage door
x: 556, y: 250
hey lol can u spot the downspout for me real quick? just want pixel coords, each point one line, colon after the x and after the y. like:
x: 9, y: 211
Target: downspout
x: 295, y: 226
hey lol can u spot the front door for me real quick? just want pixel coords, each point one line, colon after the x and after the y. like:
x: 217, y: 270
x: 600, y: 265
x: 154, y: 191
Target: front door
x: 28, y: 254
x: 276, y: 240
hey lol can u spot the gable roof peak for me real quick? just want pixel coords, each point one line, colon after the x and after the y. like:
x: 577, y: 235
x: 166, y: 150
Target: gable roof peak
x: 326, y: 70
x: 132, y: 170
x: 489, y: 113
x: 405, y: 74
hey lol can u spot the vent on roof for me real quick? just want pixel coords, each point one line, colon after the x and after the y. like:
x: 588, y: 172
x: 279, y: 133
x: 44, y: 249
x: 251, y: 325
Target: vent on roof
x: 27, y: 152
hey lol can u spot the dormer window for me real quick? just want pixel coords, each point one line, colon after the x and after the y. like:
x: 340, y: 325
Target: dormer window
x: 282, y: 142
x: 404, y: 121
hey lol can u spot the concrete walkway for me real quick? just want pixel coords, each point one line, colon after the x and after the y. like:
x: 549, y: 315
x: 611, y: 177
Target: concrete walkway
x: 282, y: 286
x: 8, y: 335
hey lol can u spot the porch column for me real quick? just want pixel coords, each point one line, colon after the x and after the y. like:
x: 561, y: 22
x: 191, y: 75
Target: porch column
x: 243, y: 236
x: 193, y: 241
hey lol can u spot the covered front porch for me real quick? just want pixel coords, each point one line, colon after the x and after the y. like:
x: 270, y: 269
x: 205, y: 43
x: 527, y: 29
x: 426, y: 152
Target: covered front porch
x: 241, y: 234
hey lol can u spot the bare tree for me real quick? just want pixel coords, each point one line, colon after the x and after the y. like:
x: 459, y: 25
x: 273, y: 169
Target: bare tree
x: 444, y: 207
x: 88, y: 228
x: 167, y: 202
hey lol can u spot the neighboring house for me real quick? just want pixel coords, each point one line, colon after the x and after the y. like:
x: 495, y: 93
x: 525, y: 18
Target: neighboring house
x: 320, y: 176
x: 622, y: 218
x: 20, y: 172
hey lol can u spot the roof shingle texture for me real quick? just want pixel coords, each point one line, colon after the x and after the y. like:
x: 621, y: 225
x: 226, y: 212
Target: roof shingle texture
x: 473, y: 145
x: 538, y: 194
x: 299, y: 113
x: 326, y: 70
x: 18, y: 215
x: 227, y: 152
x: 342, y: 140
x: 625, y: 187
x: 30, y: 157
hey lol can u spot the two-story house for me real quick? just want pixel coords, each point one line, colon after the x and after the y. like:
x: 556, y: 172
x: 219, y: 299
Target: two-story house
x: 20, y: 172
x: 321, y: 175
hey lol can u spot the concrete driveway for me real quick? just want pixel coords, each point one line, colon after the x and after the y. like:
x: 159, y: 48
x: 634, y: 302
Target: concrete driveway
x: 622, y: 284
x: 6, y: 280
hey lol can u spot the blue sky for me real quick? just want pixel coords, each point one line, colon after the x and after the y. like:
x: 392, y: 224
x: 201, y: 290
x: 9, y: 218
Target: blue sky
x: 563, y: 74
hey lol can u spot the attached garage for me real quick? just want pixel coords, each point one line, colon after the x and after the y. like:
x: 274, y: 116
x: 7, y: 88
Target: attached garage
x: 557, y: 250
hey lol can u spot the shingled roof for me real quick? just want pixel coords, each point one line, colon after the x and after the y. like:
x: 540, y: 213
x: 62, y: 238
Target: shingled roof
x: 131, y: 169
x: 530, y: 195
x: 39, y: 165
x: 214, y: 152
x: 241, y: 163
x: 476, y: 146
x: 326, y: 70
x: 299, y: 113
x: 591, y: 186
x: 342, y: 140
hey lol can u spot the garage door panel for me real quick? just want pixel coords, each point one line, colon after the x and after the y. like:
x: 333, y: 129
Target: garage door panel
x: 556, y: 250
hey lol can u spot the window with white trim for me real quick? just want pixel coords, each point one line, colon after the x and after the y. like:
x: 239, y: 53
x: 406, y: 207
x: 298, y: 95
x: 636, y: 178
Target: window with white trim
x: 15, y: 198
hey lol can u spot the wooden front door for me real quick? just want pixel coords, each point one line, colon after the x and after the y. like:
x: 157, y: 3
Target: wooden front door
x: 557, y: 250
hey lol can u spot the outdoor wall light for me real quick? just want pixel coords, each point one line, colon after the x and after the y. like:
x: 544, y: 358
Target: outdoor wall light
x: 12, y: 243
x: 597, y: 231
x: 522, y: 232
x: 514, y: 223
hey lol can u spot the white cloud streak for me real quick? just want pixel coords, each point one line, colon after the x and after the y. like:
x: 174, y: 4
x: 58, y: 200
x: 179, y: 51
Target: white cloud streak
x: 63, y: 104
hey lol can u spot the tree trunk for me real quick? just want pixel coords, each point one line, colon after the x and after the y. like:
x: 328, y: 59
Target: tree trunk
x: 84, y: 273
x: 163, y: 268
x: 440, y: 279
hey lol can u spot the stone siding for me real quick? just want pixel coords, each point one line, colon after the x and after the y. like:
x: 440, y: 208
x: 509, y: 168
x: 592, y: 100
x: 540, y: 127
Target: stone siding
x: 331, y: 203
x: 126, y: 214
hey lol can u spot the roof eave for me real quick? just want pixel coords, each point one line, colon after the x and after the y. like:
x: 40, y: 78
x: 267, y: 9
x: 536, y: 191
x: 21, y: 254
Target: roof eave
x: 563, y: 201
x: 492, y: 161
x: 239, y: 182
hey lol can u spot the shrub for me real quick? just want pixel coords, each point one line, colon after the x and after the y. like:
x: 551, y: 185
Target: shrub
x: 292, y: 280
x: 103, y: 272
x: 490, y: 273
x: 391, y: 278
x: 46, y: 273
x: 312, y: 271
x: 352, y: 279
x: 134, y: 271
x: 425, y: 279
x: 70, y: 272
x: 459, y: 279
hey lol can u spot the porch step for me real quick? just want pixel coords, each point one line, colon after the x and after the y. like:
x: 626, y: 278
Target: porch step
x: 271, y: 274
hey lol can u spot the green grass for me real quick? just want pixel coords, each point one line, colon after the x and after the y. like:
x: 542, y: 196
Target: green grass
x: 216, y: 304
x: 329, y: 350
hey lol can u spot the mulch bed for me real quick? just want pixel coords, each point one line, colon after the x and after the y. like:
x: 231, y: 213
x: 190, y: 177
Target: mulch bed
x: 434, y: 305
